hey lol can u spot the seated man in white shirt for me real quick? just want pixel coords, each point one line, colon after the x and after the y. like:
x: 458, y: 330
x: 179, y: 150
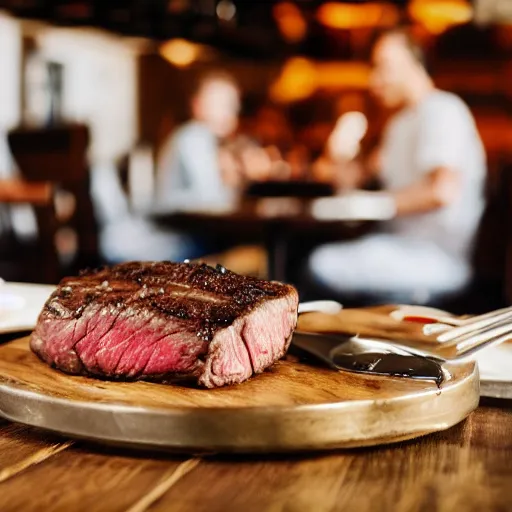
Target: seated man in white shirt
x: 433, y: 169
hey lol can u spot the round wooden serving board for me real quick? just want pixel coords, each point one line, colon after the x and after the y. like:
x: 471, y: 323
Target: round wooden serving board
x: 293, y: 406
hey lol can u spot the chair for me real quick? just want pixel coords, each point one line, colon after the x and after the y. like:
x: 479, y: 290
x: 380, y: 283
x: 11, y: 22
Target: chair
x: 507, y: 190
x: 490, y: 287
x: 25, y: 260
x: 58, y: 155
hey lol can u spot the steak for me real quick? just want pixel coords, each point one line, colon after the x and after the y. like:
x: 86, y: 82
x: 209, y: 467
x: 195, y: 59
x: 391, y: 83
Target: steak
x: 162, y: 321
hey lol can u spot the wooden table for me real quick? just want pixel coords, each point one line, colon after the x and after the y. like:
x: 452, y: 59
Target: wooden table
x: 468, y: 467
x: 275, y: 222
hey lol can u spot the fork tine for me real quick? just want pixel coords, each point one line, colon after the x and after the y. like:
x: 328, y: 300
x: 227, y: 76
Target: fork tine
x: 466, y: 342
x: 463, y: 346
x: 475, y: 335
x: 499, y: 336
x: 480, y: 322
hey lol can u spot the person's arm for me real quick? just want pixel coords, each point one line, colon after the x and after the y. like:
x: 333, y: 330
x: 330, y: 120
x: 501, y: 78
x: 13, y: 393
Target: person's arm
x: 230, y: 167
x: 442, y: 141
x: 438, y: 189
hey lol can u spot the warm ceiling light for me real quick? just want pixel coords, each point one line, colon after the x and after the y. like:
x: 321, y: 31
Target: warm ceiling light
x: 297, y: 81
x: 177, y: 6
x: 349, y: 16
x: 179, y: 52
x: 226, y: 10
x: 290, y: 21
x: 336, y: 75
x: 439, y: 15
x: 301, y: 78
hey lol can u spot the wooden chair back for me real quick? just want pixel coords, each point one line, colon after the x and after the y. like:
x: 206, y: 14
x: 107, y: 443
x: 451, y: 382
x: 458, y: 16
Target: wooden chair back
x: 39, y: 263
x: 492, y: 259
x: 59, y: 155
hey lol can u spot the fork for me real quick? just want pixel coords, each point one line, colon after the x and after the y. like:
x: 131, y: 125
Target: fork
x: 469, y: 325
x: 442, y: 324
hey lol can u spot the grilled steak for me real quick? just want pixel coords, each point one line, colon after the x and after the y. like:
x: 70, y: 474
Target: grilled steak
x: 164, y: 320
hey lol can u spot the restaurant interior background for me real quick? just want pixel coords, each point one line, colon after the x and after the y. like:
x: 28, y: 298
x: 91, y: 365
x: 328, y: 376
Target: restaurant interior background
x: 87, y: 86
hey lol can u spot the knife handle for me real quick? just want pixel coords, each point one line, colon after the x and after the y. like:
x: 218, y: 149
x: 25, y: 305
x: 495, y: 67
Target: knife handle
x: 318, y: 345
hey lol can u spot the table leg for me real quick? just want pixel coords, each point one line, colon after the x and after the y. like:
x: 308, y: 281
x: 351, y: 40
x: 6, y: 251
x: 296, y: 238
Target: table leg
x: 277, y: 252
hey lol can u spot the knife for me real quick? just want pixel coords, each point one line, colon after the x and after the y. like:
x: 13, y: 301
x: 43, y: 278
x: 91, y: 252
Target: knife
x: 357, y: 355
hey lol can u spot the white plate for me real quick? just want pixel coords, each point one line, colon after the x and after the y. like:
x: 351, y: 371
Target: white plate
x: 495, y: 367
x: 20, y: 305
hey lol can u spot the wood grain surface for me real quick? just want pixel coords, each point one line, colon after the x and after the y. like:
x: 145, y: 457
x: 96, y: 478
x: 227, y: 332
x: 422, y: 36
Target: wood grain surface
x: 371, y: 322
x: 22, y: 447
x: 467, y: 468
x: 293, y: 406
x: 288, y: 383
x: 79, y: 480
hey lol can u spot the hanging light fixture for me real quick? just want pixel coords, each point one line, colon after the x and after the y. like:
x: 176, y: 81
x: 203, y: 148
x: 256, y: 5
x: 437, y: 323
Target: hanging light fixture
x: 290, y: 21
x: 226, y: 10
x: 346, y: 16
x: 439, y: 15
x: 180, y: 53
x: 298, y: 80
x: 301, y: 78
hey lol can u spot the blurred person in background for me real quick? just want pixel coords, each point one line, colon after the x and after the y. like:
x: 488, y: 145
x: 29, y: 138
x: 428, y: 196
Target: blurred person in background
x: 189, y: 168
x: 433, y: 167
x: 188, y: 174
x: 200, y: 165
x: 205, y: 161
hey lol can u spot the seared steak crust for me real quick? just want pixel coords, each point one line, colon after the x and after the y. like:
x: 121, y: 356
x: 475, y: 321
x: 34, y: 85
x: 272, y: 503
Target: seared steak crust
x: 162, y: 320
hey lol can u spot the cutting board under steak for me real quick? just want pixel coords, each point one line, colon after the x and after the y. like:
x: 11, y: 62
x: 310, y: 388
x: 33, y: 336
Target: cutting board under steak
x: 292, y: 406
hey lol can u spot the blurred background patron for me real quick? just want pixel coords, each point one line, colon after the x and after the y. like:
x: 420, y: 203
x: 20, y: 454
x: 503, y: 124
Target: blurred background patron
x: 189, y: 169
x: 433, y: 169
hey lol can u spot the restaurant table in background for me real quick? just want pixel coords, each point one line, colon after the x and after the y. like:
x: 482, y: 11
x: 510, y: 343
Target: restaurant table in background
x: 468, y: 467
x: 277, y: 222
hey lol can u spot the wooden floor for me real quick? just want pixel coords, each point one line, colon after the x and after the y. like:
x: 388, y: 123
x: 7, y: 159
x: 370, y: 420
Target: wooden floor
x: 468, y: 467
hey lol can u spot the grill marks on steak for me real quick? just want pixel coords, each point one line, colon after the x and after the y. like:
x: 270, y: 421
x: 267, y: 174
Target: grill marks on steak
x: 162, y: 320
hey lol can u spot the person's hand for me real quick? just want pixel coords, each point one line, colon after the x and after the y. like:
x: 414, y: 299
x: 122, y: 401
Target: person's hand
x: 324, y: 170
x: 345, y: 140
x: 230, y: 169
x: 257, y: 163
x: 349, y: 175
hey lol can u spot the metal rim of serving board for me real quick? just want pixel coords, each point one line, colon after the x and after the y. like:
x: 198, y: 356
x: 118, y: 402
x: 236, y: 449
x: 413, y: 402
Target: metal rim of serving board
x: 248, y: 429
